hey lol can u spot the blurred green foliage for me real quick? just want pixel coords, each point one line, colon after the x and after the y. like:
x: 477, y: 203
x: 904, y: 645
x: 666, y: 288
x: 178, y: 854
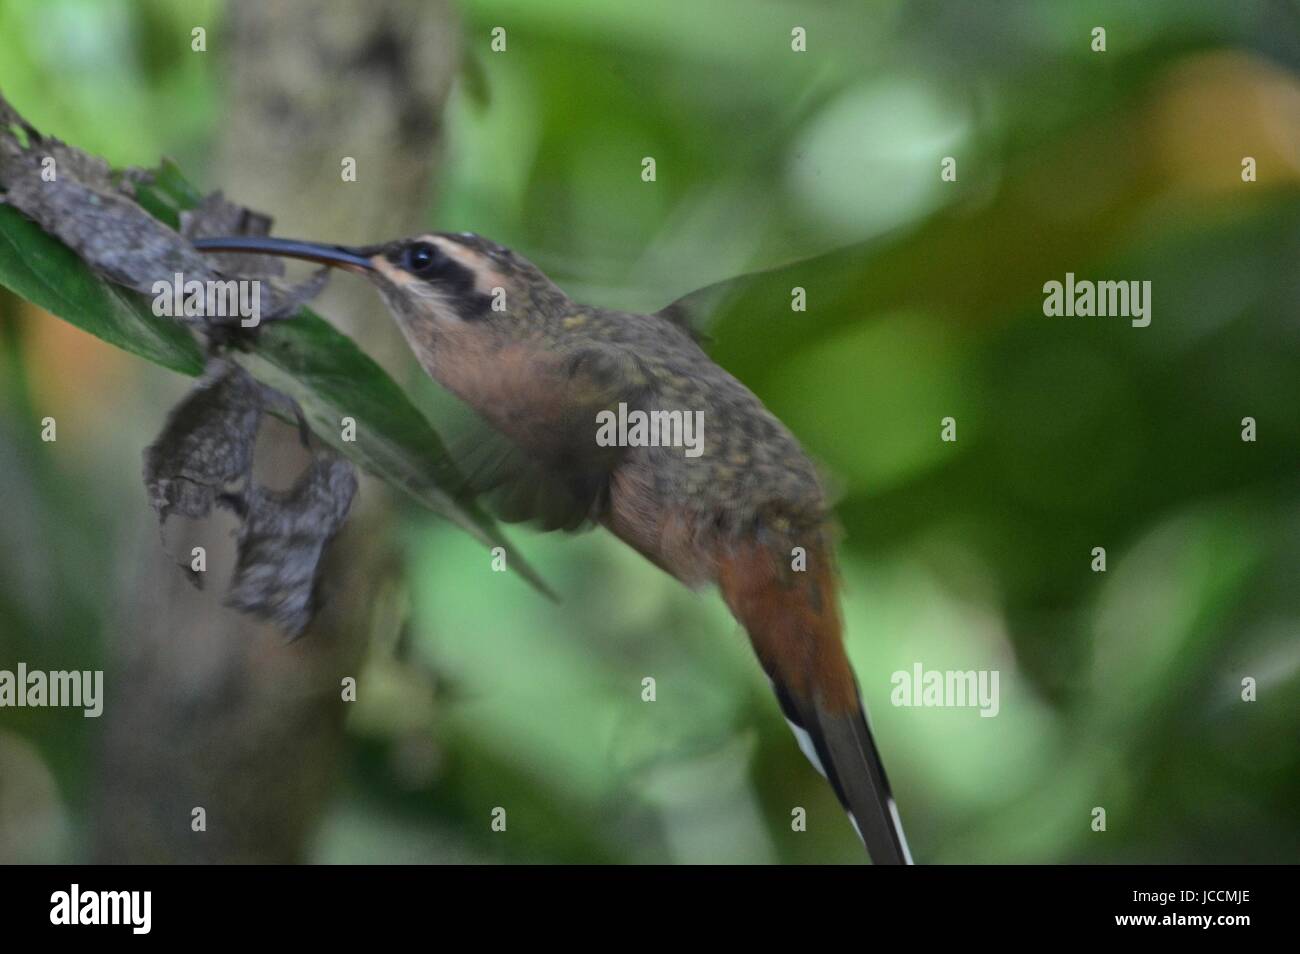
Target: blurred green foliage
x: 820, y: 170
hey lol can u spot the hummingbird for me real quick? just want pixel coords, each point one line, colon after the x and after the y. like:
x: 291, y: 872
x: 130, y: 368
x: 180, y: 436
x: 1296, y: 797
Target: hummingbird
x: 746, y: 512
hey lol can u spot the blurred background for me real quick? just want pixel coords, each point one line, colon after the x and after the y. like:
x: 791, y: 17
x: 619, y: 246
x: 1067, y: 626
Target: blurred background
x: 1119, y: 689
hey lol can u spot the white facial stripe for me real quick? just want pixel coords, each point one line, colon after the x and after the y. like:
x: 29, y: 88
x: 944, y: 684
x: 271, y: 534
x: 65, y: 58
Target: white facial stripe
x: 486, y: 278
x: 394, y: 274
x: 426, y: 297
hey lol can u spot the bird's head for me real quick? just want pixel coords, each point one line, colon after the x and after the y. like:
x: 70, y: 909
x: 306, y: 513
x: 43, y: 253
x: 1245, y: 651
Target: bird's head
x: 451, y: 282
x: 438, y: 285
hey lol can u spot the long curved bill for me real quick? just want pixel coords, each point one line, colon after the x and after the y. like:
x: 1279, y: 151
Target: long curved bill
x: 339, y: 256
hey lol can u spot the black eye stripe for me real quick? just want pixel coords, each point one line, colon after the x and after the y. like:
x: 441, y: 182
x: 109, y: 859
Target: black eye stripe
x: 421, y: 258
x: 457, y: 282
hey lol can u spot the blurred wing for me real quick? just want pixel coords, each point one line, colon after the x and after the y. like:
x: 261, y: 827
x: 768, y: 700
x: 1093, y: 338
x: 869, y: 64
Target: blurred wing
x: 697, y: 310
x: 544, y: 465
x: 691, y: 312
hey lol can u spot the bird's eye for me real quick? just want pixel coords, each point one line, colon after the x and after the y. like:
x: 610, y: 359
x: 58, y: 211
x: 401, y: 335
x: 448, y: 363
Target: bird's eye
x: 420, y: 257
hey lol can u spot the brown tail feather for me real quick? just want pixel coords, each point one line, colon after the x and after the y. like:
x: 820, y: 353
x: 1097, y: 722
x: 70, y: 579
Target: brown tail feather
x: 793, y: 622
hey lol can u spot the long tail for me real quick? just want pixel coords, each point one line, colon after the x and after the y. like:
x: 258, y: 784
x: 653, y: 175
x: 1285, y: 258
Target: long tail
x: 793, y: 622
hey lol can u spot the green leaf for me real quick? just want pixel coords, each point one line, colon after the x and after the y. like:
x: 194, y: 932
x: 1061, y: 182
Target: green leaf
x: 47, y: 273
x: 166, y: 194
x: 304, y: 357
x: 324, y: 371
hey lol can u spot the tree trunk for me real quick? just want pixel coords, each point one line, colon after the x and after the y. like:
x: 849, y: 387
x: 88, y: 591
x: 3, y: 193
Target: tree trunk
x: 215, y: 711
